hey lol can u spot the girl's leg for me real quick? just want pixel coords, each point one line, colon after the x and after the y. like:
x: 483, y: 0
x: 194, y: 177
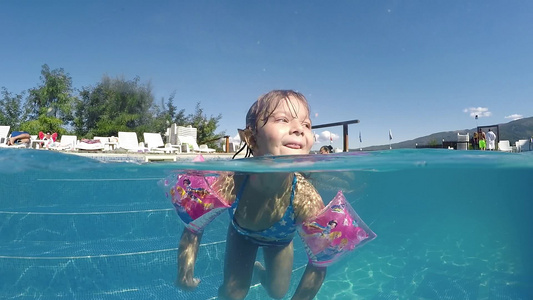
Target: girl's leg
x: 310, y: 283
x: 238, y: 266
x: 187, y: 254
x: 276, y: 276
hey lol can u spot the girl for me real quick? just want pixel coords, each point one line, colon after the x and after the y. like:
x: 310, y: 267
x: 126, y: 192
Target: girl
x: 265, y: 207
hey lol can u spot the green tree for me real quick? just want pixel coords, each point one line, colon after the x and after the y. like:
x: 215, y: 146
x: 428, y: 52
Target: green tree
x: 206, y: 127
x: 114, y: 105
x: 167, y: 114
x: 54, y: 97
x: 12, y: 111
x: 433, y: 143
x: 44, y: 123
x: 171, y: 108
x: 175, y: 116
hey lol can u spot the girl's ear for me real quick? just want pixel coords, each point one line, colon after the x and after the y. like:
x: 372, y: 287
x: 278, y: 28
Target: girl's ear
x: 247, y: 136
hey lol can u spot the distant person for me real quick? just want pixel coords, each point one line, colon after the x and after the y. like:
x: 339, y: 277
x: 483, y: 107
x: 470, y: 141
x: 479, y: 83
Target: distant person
x: 326, y: 149
x: 482, y: 140
x: 475, y: 141
x: 48, y: 138
x: 19, y: 138
x: 491, y: 140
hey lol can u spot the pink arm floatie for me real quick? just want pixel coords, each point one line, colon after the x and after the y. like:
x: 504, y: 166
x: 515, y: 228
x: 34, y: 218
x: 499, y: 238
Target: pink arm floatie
x: 334, y: 232
x: 195, y: 201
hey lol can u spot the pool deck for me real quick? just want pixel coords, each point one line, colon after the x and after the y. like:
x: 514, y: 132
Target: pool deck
x: 151, y: 157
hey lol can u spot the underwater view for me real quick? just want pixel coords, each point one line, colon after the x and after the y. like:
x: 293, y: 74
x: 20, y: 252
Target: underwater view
x: 449, y: 225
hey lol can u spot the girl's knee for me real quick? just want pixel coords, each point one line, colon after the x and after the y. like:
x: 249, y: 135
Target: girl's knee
x: 277, y: 289
x: 277, y: 285
x: 276, y: 293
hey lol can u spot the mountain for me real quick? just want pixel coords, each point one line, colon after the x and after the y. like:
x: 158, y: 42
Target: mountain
x: 512, y: 131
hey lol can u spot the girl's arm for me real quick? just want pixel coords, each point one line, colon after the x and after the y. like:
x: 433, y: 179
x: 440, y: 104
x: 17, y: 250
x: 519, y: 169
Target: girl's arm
x: 310, y: 283
x: 187, y: 255
x: 308, y: 203
x: 190, y: 241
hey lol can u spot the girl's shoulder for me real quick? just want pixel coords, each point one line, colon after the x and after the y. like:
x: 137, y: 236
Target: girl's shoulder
x: 303, y: 184
x: 307, y: 200
x: 224, y: 186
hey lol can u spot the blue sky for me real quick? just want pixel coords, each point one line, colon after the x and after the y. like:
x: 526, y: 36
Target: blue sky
x: 414, y: 67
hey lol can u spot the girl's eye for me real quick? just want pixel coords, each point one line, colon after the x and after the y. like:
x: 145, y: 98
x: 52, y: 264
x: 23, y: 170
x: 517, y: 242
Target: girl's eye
x: 284, y: 120
x: 307, y: 125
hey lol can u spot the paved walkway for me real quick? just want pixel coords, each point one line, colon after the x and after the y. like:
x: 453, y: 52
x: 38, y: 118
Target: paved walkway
x: 153, y: 157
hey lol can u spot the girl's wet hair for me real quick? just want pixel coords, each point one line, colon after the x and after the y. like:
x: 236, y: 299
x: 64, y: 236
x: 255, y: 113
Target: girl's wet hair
x: 263, y: 108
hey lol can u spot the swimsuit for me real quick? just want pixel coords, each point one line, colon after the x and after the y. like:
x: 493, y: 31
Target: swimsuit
x: 279, y: 234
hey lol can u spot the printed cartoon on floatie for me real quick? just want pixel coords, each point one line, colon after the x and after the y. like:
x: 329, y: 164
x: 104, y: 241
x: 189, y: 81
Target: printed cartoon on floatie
x: 334, y: 232
x: 196, y: 203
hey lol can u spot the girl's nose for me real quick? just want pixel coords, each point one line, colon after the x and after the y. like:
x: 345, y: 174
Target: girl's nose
x: 297, y: 127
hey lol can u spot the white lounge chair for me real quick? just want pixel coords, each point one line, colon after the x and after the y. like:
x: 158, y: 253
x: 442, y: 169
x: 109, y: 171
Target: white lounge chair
x: 66, y: 143
x: 90, y: 145
x: 462, y: 141
x: 129, y: 142
x: 188, y: 143
x: 504, y: 146
x: 204, y: 148
x: 522, y: 145
x: 4, y: 132
x: 155, y: 144
x: 107, y: 142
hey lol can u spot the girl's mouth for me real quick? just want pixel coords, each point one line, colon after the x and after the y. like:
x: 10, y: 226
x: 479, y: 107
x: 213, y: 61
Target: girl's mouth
x: 293, y: 146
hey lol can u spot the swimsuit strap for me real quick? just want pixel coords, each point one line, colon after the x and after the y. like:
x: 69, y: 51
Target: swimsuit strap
x: 293, y: 188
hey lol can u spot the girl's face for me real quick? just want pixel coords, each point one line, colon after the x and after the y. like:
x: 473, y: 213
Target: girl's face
x: 286, y: 132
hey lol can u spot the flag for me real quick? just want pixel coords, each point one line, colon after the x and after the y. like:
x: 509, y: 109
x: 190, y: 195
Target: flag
x: 390, y: 134
x: 360, y: 139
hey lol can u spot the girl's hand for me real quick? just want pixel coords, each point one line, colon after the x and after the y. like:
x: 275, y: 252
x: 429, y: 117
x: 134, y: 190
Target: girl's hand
x: 187, y: 284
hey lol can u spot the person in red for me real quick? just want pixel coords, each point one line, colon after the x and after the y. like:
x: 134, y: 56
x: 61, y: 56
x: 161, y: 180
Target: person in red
x: 48, y: 138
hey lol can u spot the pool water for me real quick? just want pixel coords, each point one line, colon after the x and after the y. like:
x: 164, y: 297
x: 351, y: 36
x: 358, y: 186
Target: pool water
x: 450, y: 225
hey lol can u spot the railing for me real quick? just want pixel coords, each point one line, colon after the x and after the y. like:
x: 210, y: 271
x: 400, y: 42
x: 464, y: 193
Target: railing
x: 344, y: 130
x: 344, y: 125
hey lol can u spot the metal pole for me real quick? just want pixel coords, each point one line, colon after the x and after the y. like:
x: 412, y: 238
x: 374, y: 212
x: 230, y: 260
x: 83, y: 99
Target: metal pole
x: 227, y: 143
x: 345, y: 132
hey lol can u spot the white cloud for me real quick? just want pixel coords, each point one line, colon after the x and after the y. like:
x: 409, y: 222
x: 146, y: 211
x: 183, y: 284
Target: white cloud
x: 324, y: 137
x: 478, y: 111
x: 514, y: 117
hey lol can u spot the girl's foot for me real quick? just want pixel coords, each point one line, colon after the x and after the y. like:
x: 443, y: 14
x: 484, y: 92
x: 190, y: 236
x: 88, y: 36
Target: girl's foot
x: 258, y: 274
